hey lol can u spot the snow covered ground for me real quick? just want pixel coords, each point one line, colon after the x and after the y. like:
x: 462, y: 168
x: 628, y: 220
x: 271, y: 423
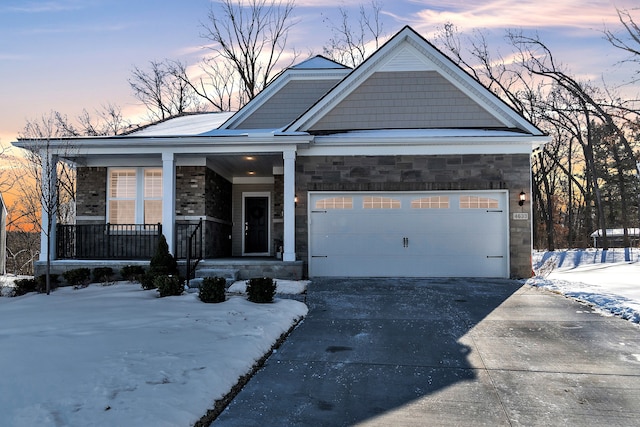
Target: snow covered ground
x: 119, y: 355
x: 610, y: 281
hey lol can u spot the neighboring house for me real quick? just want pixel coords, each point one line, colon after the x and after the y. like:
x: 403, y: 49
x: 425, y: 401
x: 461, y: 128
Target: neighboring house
x: 615, y: 237
x: 404, y: 166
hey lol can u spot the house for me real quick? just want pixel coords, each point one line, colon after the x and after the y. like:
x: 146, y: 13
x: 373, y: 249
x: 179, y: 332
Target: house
x: 615, y: 237
x: 403, y: 166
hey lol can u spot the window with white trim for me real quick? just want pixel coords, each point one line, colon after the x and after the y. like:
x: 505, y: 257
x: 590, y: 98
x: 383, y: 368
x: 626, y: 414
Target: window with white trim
x: 335, y: 203
x: 433, y: 202
x: 475, y: 202
x: 377, y: 202
x: 135, y: 196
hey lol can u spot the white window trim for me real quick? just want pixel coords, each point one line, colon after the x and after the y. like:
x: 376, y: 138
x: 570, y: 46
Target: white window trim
x: 139, y: 199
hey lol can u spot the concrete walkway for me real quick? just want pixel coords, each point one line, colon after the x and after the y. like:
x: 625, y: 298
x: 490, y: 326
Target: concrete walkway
x: 445, y: 352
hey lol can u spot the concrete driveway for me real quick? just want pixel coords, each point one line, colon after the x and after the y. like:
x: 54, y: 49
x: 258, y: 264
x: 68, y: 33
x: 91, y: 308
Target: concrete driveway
x: 445, y: 352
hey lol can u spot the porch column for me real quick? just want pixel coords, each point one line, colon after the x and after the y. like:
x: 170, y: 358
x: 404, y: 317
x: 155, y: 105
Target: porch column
x: 289, y: 206
x: 169, y: 199
x: 49, y: 201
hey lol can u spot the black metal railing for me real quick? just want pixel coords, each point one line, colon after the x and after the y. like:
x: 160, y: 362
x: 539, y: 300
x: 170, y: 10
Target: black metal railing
x: 193, y: 244
x: 107, y: 241
x: 184, y: 230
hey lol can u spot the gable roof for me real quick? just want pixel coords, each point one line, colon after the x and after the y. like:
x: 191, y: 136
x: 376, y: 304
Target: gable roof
x: 293, y: 91
x: 407, y: 52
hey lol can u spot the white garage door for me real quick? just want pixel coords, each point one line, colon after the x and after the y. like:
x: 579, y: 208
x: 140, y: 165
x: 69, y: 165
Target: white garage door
x: 426, y: 234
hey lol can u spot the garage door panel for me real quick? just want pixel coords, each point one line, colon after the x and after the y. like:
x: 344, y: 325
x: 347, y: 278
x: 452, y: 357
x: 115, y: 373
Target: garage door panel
x: 410, y: 239
x: 345, y: 244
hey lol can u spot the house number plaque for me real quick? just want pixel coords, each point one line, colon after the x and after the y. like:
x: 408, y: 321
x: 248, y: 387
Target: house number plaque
x: 520, y: 215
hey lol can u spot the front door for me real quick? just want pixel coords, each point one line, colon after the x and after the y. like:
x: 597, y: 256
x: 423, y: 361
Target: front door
x: 256, y: 225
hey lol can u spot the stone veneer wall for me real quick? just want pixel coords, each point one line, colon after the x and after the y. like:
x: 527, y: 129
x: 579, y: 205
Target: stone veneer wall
x: 91, y: 195
x: 201, y: 192
x: 421, y: 173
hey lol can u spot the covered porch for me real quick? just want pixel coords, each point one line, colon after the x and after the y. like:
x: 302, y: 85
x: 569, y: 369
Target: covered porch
x: 208, y: 187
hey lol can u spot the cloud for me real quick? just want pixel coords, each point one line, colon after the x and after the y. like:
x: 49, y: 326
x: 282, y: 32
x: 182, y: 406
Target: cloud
x: 523, y: 14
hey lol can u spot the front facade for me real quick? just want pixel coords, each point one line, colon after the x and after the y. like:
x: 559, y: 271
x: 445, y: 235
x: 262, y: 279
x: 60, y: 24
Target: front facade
x: 404, y: 166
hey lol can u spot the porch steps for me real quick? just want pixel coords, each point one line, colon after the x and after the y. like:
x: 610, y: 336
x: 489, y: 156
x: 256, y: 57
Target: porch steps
x: 229, y: 274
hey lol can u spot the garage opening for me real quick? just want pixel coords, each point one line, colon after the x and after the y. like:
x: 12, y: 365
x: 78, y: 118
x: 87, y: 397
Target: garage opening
x: 413, y: 234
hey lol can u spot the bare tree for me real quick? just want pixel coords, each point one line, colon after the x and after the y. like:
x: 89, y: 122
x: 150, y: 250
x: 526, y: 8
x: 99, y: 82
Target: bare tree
x: 108, y: 120
x: 251, y: 36
x: 217, y: 85
x: 587, y: 125
x: 629, y: 41
x: 536, y: 57
x: 161, y: 91
x: 351, y: 42
x: 54, y: 180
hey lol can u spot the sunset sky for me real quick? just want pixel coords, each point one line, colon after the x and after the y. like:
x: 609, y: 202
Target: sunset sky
x: 67, y: 55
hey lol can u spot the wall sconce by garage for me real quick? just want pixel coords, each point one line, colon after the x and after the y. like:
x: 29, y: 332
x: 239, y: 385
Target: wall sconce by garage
x: 522, y: 198
x: 295, y: 200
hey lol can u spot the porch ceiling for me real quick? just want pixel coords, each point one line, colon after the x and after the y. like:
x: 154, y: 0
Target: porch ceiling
x: 246, y: 165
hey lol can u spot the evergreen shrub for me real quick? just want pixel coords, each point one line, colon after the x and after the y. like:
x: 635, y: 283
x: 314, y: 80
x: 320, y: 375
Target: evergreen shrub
x: 168, y: 285
x: 261, y: 289
x: 102, y: 274
x: 212, y: 289
x: 132, y: 273
x: 78, y: 277
x: 24, y: 286
x: 162, y: 264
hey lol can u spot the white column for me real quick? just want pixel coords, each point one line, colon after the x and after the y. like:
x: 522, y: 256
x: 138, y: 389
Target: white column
x: 169, y: 199
x: 289, y: 206
x: 49, y: 200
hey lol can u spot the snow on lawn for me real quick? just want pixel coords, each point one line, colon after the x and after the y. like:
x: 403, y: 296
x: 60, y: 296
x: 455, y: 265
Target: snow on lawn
x: 119, y: 355
x: 292, y: 287
x: 604, y: 280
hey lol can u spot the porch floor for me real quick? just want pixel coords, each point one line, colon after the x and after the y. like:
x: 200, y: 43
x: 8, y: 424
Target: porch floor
x: 249, y: 267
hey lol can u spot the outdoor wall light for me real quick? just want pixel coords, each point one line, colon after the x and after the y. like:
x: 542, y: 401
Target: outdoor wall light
x: 295, y: 200
x: 522, y: 198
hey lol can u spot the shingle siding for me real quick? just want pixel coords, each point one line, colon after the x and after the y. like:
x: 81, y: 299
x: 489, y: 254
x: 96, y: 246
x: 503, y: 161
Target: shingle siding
x: 286, y: 105
x: 406, y: 100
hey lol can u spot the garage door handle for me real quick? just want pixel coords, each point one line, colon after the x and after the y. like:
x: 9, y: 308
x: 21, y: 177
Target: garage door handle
x: 318, y: 256
x: 405, y: 242
x: 495, y: 256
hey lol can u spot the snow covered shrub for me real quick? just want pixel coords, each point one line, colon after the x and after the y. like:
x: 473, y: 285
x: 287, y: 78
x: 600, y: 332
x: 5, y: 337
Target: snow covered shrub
x: 212, y: 289
x: 102, y: 274
x: 132, y: 273
x: 168, y: 285
x: 78, y: 277
x: 261, y: 289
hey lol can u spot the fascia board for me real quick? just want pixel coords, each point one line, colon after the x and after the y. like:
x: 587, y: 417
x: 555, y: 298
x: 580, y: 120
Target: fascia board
x: 149, y: 145
x: 422, y: 146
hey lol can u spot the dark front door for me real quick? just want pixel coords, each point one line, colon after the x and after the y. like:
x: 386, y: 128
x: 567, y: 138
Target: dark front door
x: 256, y: 225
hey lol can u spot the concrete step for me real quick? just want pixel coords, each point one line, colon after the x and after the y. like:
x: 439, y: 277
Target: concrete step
x: 229, y: 274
